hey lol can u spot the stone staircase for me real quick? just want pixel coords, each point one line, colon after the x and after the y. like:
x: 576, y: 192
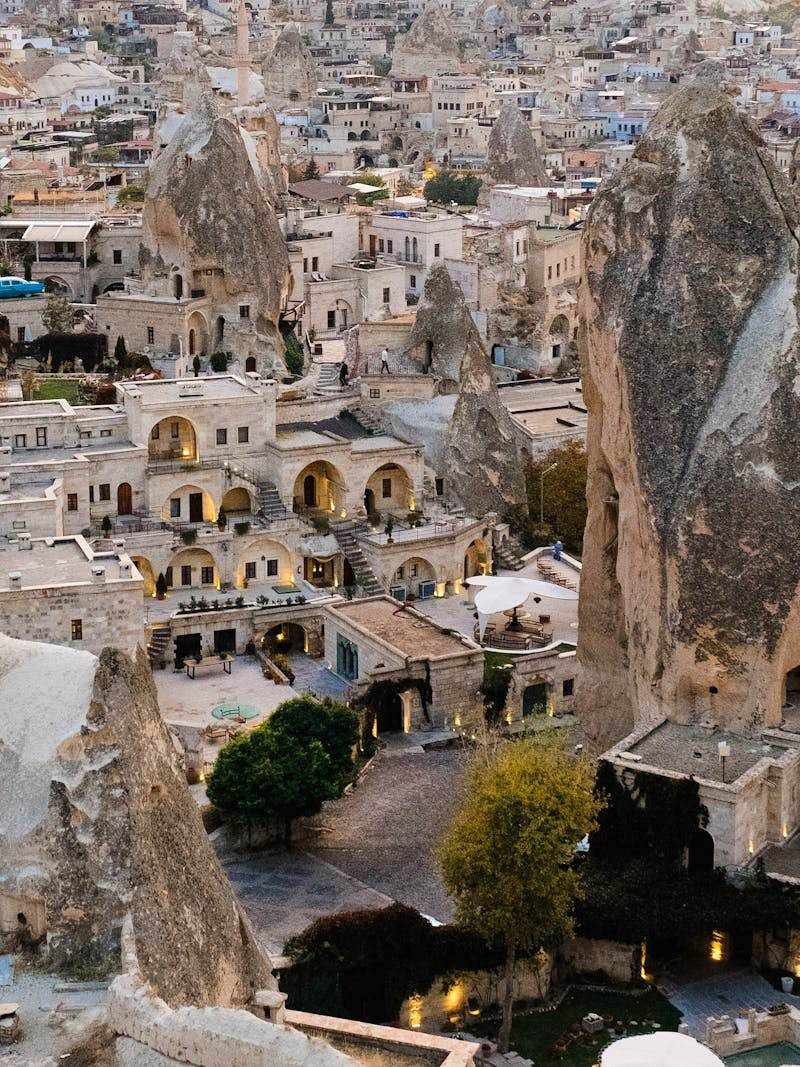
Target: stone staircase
x: 509, y: 553
x: 328, y: 379
x: 270, y: 504
x: 158, y: 651
x: 369, y: 418
x: 345, y: 533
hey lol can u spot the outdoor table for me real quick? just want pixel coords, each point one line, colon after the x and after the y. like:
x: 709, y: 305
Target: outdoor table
x: 191, y: 665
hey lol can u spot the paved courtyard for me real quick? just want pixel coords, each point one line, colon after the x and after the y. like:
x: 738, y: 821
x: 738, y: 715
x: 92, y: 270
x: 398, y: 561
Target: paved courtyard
x: 729, y: 993
x: 187, y: 700
x: 373, y: 846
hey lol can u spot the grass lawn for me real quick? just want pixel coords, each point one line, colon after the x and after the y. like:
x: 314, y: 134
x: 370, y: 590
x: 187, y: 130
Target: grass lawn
x: 58, y: 389
x: 533, y: 1036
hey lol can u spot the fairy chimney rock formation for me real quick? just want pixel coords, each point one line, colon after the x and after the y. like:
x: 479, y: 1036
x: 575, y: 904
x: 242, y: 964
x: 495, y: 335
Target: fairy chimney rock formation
x: 290, y: 73
x: 207, y: 224
x: 430, y: 47
x: 184, y: 76
x: 690, y: 606
x: 512, y: 156
x: 481, y: 457
x: 99, y: 833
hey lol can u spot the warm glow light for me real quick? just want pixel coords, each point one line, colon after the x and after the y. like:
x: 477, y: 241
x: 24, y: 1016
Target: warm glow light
x: 343, y: 513
x: 718, y: 946
x: 457, y: 720
x: 785, y: 828
x: 457, y: 586
x: 440, y: 588
x: 454, y: 1000
x: 186, y: 453
x: 415, y: 1011
x: 643, y: 961
x: 750, y: 846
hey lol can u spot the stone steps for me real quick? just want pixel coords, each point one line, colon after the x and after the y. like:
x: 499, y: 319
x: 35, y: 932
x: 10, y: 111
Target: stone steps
x: 158, y: 645
x: 346, y: 537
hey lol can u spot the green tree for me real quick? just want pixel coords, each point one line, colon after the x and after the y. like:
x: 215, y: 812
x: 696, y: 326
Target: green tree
x: 106, y: 525
x: 222, y: 518
x: 329, y: 18
x: 219, y: 362
x: 196, y: 365
x: 564, y: 495
x: 57, y: 316
x: 285, y: 769
x: 507, y: 855
x: 107, y: 153
x: 311, y: 170
x: 120, y: 351
x: 334, y: 725
x: 131, y: 194
x: 381, y: 65
x: 450, y: 185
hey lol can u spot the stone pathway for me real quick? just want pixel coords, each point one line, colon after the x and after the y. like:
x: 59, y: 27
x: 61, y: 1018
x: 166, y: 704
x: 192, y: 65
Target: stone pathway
x: 312, y: 676
x: 726, y: 994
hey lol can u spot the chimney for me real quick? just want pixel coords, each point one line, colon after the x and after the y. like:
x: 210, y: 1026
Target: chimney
x: 25, y: 543
x: 99, y: 575
x: 119, y: 544
x: 14, y: 580
x: 5, y: 482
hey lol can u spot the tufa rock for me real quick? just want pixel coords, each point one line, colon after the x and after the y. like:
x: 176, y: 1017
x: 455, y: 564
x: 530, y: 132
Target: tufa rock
x: 690, y: 606
x: 481, y: 455
x: 206, y: 219
x: 98, y: 831
x: 183, y: 75
x: 290, y: 73
x: 512, y: 156
x: 430, y: 47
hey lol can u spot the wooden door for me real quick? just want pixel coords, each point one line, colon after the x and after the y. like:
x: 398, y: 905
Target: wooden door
x: 195, y: 507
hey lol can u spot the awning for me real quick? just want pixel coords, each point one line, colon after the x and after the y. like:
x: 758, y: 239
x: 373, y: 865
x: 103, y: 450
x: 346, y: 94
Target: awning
x: 58, y: 231
x: 503, y: 594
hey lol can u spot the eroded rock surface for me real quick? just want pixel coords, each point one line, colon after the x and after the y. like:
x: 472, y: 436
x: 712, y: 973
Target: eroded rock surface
x: 481, y: 458
x: 690, y: 606
x: 290, y: 73
x: 97, y: 825
x: 430, y: 47
x: 512, y: 156
x: 206, y: 218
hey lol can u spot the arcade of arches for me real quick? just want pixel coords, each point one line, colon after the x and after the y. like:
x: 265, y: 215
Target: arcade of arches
x: 319, y: 486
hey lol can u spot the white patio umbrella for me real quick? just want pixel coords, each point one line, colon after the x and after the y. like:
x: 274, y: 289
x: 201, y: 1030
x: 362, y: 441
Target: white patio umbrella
x: 664, y: 1049
x: 500, y: 593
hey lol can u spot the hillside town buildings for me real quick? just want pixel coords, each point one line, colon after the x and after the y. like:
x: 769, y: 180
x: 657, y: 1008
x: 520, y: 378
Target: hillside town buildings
x: 316, y: 291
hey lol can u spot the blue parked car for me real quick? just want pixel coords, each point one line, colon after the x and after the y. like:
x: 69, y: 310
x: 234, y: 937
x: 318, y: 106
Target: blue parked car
x: 19, y: 287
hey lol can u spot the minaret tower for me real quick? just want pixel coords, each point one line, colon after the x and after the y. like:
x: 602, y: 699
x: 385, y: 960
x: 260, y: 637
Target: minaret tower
x: 242, y: 55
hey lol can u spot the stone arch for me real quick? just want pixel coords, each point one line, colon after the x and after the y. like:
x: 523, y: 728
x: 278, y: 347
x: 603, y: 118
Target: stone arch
x: 352, y: 135
x: 416, y: 573
x: 55, y: 284
x: 319, y: 486
x: 198, y: 334
x: 271, y: 561
x: 285, y: 637
x: 393, y: 162
x: 193, y: 564
x: 145, y: 568
x: 237, y: 500
x: 394, y: 480
x: 177, y: 283
x: 559, y: 327
x: 396, y: 143
x: 250, y: 365
x: 476, y: 559
x: 341, y: 314
x: 193, y: 505
x: 366, y: 160
x: 173, y: 438
x: 112, y: 287
x: 366, y: 135
x: 219, y: 331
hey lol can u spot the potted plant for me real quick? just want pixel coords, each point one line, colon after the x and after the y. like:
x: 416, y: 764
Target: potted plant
x: 388, y: 528
x: 222, y: 518
x: 161, y: 586
x: 106, y: 525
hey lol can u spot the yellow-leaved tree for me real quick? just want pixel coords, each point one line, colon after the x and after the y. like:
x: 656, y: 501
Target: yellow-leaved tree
x: 507, y: 857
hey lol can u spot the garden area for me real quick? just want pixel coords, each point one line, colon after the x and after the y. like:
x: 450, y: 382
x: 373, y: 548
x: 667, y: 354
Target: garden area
x: 557, y: 1038
x: 58, y: 389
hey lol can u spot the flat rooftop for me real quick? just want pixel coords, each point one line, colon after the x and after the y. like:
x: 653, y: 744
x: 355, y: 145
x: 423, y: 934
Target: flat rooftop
x: 56, y: 561
x: 688, y: 749
x: 405, y: 630
x: 22, y: 456
x: 33, y: 409
x: 171, y: 390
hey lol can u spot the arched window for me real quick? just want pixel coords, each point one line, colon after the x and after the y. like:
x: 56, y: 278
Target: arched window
x: 414, y: 249
x: 408, y: 249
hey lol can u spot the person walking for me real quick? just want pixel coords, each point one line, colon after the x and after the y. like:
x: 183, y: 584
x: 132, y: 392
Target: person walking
x: 344, y: 376
x: 385, y: 362
x: 558, y: 548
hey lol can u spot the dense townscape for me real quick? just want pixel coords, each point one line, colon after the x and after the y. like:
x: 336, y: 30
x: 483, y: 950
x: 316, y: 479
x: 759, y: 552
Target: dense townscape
x: 399, y: 494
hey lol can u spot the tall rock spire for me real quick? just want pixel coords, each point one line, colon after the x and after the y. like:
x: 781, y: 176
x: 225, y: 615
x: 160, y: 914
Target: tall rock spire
x: 242, y: 55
